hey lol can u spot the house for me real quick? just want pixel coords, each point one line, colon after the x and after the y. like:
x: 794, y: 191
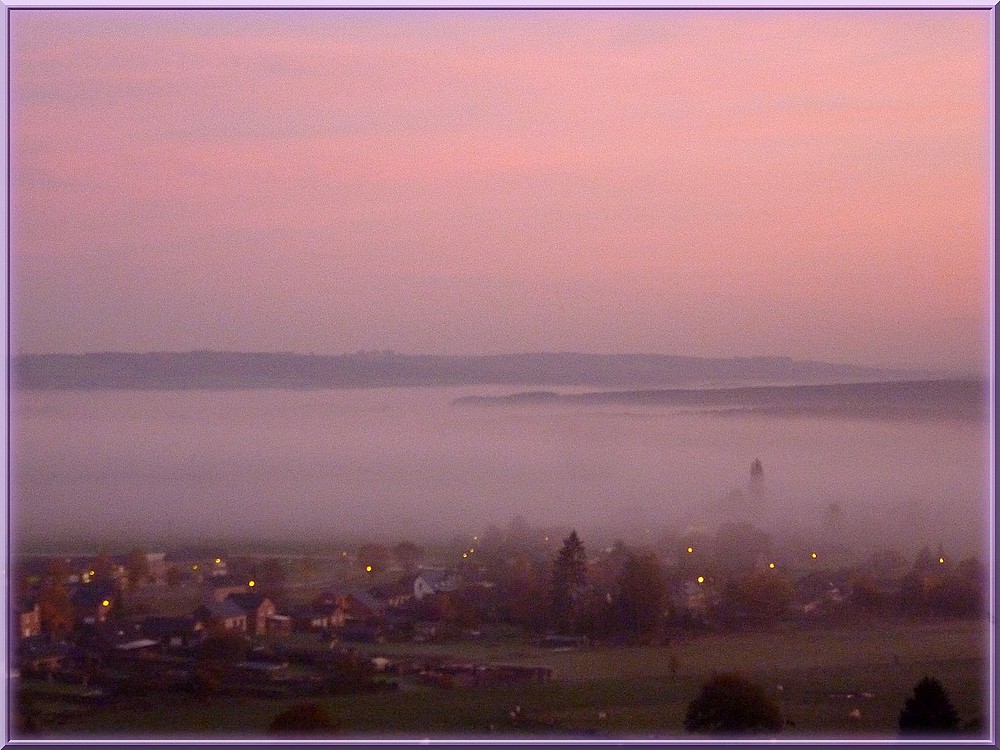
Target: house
x: 29, y: 619
x: 156, y: 564
x: 432, y: 581
x: 361, y: 632
x: 224, y: 615
x: 317, y: 616
x: 394, y: 595
x: 564, y: 642
x: 174, y: 632
x: 258, y: 609
x: 279, y: 624
x: 358, y: 606
x: 40, y: 655
x: 220, y: 587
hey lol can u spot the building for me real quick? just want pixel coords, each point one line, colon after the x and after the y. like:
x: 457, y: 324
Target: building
x: 433, y: 581
x: 258, y: 609
x: 29, y: 619
x: 224, y: 615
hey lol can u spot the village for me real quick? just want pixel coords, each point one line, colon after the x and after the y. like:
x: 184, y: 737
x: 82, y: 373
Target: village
x: 477, y: 612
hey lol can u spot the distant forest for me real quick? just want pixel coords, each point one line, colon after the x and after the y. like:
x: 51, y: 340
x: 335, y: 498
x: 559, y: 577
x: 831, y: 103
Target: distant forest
x: 922, y: 399
x: 231, y: 370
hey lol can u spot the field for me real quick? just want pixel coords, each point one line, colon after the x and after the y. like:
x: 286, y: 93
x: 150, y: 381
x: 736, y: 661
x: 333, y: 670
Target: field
x: 824, y: 675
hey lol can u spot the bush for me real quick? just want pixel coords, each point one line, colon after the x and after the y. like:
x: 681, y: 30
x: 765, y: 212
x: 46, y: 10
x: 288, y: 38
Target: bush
x: 303, y: 719
x: 729, y: 704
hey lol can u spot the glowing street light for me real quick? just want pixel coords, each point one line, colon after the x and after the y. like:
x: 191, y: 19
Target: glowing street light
x: 940, y: 559
x: 368, y: 568
x: 690, y: 550
x: 701, y: 579
x: 813, y: 555
x: 105, y: 603
x: 218, y: 560
x: 251, y: 584
x: 771, y: 566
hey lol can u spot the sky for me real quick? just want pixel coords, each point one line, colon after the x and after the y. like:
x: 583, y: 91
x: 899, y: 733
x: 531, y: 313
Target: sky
x: 709, y: 183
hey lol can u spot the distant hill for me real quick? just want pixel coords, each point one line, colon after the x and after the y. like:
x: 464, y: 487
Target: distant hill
x: 229, y: 370
x: 924, y: 399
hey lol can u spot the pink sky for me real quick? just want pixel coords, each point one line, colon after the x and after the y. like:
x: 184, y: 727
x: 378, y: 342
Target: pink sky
x: 714, y: 183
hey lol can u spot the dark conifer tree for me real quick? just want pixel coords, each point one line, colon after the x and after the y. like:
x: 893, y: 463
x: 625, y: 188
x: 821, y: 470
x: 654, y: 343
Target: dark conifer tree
x: 569, y: 581
x: 928, y: 711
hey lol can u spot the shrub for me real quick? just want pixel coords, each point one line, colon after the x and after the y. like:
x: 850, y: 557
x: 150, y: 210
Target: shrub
x: 303, y: 719
x: 729, y: 704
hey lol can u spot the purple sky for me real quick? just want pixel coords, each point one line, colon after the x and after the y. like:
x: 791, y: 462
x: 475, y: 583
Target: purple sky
x: 717, y: 183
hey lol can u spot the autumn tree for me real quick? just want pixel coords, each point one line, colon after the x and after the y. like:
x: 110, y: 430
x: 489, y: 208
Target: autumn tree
x: 103, y: 567
x: 214, y: 661
x: 271, y: 579
x: 739, y: 547
x: 961, y: 591
x: 521, y: 586
x: 638, y: 606
x: 729, y: 704
x: 55, y: 607
x: 173, y: 576
x: 928, y: 711
x: 137, y: 567
x: 375, y: 556
x: 569, y: 583
x: 765, y: 594
x: 408, y: 555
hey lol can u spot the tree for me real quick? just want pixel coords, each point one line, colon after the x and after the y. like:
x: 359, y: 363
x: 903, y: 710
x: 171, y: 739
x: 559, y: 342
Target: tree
x: 729, y: 704
x: 521, y: 585
x: 303, y: 719
x: 55, y: 607
x: 928, y: 711
x: 174, y: 577
x: 373, y: 556
x: 765, y: 594
x: 214, y: 661
x: 739, y: 546
x: 638, y: 607
x: 103, y: 567
x: 960, y: 592
x: 137, y: 567
x: 408, y: 555
x: 271, y: 579
x: 569, y: 581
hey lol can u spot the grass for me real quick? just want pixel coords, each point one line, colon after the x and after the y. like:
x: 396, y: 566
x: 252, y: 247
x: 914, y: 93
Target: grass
x: 623, y: 692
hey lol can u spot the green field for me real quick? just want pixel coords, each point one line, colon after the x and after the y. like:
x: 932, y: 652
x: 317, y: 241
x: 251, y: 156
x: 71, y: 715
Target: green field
x: 623, y: 692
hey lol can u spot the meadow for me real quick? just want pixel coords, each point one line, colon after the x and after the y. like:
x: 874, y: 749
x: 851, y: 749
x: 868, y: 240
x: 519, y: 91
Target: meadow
x: 843, y: 681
